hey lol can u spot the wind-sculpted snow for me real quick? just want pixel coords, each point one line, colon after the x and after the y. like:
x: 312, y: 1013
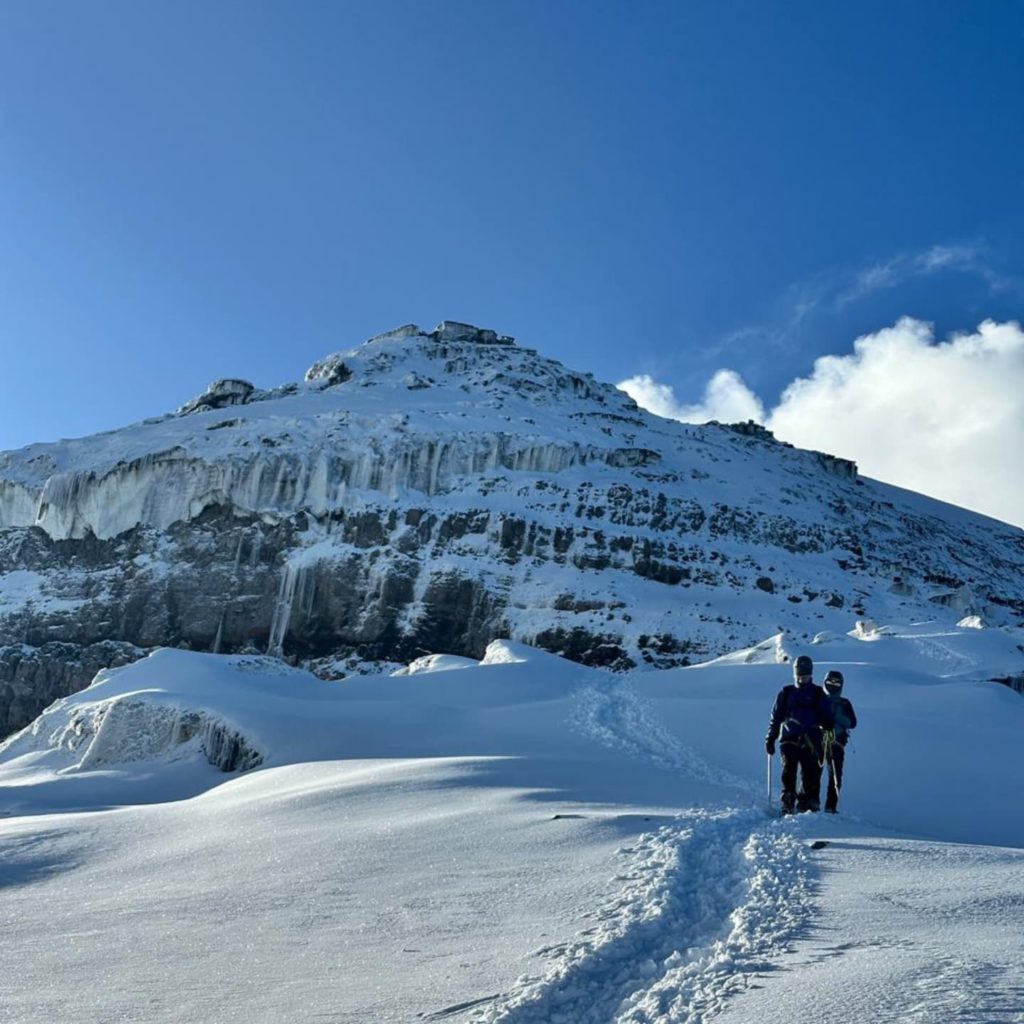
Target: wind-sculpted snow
x: 127, y: 718
x: 522, y: 840
x: 130, y: 729
x: 702, y: 906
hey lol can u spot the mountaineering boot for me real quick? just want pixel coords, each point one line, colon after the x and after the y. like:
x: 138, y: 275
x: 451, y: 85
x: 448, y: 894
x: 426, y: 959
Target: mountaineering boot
x: 788, y: 804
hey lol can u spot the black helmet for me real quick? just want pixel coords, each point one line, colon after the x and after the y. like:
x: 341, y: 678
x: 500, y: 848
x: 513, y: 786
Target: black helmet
x: 834, y: 681
x: 803, y: 666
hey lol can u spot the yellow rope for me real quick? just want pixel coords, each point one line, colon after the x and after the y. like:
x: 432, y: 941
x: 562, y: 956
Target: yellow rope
x: 828, y: 738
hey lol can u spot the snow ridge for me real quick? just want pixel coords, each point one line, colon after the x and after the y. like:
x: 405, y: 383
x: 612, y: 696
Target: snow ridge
x: 704, y: 905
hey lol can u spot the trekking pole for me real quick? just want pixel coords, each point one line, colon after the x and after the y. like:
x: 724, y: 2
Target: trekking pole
x: 829, y: 741
x: 769, y: 780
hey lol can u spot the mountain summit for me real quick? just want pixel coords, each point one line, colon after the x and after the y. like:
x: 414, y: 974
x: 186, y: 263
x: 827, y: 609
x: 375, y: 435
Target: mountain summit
x: 431, y: 491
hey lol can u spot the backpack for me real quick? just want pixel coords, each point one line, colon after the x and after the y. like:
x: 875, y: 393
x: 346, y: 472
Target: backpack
x: 842, y: 711
x: 804, y: 710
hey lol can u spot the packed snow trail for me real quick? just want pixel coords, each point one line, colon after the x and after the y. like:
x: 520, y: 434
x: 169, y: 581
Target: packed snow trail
x: 705, y: 904
x: 614, y: 714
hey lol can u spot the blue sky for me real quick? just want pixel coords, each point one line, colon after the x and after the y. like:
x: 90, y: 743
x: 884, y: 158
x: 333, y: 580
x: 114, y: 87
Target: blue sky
x: 194, y: 190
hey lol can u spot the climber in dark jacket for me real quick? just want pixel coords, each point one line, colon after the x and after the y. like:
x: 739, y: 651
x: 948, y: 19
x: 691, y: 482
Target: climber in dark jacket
x: 835, y: 753
x: 800, y: 717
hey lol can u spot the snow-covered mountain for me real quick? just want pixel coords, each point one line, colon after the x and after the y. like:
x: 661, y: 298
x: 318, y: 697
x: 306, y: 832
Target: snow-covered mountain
x: 432, y: 491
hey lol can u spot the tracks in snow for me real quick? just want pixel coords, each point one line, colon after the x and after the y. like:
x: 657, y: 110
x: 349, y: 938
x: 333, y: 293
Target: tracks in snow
x: 616, y: 715
x: 703, y: 905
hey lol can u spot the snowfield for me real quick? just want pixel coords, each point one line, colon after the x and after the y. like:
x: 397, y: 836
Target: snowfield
x: 517, y: 840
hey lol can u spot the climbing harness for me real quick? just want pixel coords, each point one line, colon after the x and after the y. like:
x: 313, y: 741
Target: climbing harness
x: 828, y: 738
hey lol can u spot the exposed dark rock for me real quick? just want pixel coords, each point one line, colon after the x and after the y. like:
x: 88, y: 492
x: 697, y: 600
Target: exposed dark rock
x: 633, y: 457
x: 750, y: 428
x: 219, y: 394
x: 601, y: 651
x: 666, y: 651
x: 31, y: 678
x: 452, y: 330
x: 225, y: 748
x: 329, y: 371
x: 459, y: 615
x: 568, y: 603
x: 943, y: 580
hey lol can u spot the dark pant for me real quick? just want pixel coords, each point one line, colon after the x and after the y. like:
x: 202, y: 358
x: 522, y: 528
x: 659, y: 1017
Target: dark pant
x: 808, y: 761
x: 835, y: 777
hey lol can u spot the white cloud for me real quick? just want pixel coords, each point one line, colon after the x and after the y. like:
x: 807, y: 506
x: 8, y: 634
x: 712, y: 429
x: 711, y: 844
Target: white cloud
x: 726, y: 399
x: 946, y: 419
x: 939, y: 257
x: 967, y: 259
x: 832, y: 291
x: 943, y: 418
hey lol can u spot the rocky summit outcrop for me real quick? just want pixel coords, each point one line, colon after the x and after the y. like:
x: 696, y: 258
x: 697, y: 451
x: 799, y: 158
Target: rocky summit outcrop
x: 428, y: 492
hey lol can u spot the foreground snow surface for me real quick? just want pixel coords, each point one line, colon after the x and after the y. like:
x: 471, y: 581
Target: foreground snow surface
x: 522, y: 840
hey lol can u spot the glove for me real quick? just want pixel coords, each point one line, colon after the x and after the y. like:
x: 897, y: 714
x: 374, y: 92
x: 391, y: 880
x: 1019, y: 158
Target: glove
x: 769, y: 747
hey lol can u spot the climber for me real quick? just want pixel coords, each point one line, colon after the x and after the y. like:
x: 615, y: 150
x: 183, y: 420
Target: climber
x: 800, y: 718
x: 835, y: 752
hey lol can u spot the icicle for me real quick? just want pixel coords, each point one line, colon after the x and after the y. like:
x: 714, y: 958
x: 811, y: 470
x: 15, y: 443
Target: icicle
x: 238, y: 551
x: 257, y: 547
x: 220, y: 632
x: 283, y: 611
x: 435, y: 467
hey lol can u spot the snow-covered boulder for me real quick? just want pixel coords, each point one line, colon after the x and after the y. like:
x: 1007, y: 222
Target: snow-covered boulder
x: 773, y: 651
x: 452, y: 330
x: 971, y: 622
x: 329, y: 371
x: 430, y: 663
x: 220, y: 394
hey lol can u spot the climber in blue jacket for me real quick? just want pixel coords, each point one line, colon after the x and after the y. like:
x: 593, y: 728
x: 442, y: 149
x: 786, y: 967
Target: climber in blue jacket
x: 800, y: 718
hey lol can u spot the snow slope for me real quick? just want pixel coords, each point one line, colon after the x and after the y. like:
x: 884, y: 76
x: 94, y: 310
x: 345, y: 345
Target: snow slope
x: 521, y: 840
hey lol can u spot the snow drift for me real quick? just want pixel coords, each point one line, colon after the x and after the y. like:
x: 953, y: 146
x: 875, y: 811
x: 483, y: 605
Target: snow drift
x: 519, y: 840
